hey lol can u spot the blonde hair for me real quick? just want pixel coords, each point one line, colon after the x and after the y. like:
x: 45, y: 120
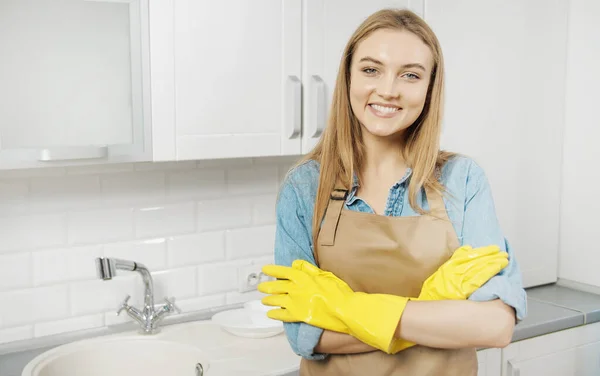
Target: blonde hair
x: 341, y: 151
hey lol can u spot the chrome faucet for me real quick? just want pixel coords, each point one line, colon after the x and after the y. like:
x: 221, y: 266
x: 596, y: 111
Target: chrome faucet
x: 148, y: 317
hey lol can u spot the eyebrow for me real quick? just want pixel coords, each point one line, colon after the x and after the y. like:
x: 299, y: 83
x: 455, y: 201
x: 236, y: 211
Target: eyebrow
x: 405, y: 66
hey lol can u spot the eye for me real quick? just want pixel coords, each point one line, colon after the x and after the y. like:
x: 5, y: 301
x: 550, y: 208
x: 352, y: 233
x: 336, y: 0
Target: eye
x: 369, y: 71
x: 411, y: 76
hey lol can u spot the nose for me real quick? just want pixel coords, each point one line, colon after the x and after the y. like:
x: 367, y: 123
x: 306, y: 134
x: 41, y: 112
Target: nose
x: 389, y: 87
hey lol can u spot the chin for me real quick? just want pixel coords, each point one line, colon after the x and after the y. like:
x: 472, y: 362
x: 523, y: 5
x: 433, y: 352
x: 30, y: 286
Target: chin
x: 384, y: 132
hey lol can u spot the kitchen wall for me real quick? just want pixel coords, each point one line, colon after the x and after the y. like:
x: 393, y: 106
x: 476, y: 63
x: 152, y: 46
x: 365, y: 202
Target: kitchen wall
x: 191, y: 223
x: 579, y: 254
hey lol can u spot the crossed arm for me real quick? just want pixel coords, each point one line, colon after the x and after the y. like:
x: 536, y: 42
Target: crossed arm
x: 441, y: 324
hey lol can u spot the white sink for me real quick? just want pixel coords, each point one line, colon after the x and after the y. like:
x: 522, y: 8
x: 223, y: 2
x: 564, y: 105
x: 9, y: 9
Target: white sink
x: 174, y: 351
x: 119, y: 357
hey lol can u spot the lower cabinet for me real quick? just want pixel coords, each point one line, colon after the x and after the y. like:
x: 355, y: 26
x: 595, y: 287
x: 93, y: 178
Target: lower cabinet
x: 489, y: 362
x: 571, y: 352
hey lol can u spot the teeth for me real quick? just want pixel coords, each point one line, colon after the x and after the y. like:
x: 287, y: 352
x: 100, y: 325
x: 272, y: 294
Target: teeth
x: 384, y: 109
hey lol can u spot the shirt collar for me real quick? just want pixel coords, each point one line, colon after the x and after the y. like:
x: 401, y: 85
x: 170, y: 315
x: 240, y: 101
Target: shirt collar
x: 355, y: 184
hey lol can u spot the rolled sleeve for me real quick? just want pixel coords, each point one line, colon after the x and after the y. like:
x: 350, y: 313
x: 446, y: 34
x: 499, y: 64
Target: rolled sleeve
x: 505, y: 286
x: 481, y: 228
x: 308, y: 337
x: 293, y: 242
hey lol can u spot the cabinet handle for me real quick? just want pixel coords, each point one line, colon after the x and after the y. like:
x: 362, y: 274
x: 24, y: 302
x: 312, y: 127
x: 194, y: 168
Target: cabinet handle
x: 293, y: 110
x: 73, y: 152
x: 512, y: 370
x: 318, y: 106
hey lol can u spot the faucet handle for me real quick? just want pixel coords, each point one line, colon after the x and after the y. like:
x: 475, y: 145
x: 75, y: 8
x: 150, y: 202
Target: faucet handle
x: 123, y: 305
x: 170, y: 305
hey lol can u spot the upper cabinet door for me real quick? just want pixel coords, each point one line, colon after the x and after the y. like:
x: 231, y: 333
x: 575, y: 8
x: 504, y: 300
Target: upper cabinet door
x: 236, y: 66
x: 74, y: 82
x: 328, y: 25
x: 505, y: 90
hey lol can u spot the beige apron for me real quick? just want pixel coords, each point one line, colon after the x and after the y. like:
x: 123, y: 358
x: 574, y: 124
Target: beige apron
x: 390, y: 255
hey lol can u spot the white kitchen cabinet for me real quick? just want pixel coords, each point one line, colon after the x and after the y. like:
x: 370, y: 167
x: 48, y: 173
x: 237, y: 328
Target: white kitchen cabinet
x: 75, y: 82
x: 327, y: 27
x: 572, y: 352
x: 489, y: 362
x: 247, y: 79
x: 226, y: 78
x: 505, y: 91
x: 578, y: 261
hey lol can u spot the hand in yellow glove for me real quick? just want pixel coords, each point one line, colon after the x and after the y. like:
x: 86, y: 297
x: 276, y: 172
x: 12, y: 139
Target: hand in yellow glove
x: 467, y: 270
x: 308, y: 294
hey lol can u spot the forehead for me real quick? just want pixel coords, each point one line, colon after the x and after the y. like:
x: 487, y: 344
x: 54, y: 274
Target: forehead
x: 394, y: 48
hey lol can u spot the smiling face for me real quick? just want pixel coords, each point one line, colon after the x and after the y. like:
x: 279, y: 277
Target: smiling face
x: 389, y: 77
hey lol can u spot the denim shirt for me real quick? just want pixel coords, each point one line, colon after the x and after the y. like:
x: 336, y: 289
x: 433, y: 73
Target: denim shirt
x: 469, y: 205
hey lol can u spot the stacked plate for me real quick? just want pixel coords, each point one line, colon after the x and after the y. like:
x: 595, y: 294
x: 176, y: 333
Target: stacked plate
x: 250, y: 321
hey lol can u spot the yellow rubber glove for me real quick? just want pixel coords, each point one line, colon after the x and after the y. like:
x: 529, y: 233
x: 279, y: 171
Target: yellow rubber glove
x: 467, y: 270
x: 308, y: 294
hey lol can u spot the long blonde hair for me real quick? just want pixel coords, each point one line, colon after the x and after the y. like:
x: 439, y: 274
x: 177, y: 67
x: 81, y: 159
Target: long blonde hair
x: 341, y: 151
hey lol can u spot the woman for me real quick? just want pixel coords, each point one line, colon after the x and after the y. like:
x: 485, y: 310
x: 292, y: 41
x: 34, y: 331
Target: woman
x: 393, y: 224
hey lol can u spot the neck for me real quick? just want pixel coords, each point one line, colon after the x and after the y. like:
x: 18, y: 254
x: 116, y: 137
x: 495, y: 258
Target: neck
x: 384, y: 160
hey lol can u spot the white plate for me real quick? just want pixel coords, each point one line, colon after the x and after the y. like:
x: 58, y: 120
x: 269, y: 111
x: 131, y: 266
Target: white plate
x: 257, y: 305
x: 248, y: 323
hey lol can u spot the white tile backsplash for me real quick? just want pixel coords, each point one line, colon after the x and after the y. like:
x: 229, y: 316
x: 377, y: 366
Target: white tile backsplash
x: 196, y: 184
x: 173, y: 219
x: 270, y: 259
x: 96, y: 296
x: 196, y: 249
x: 178, y: 283
x: 100, y: 169
x: 151, y: 253
x: 163, y: 166
x: 15, y: 271
x: 64, y: 193
x: 22, y: 233
x: 224, y: 213
x: 60, y: 265
x: 100, y: 226
x: 253, y: 180
x: 13, y: 197
x: 68, y: 325
x: 16, y: 334
x: 203, y: 302
x: 27, y: 306
x: 263, y: 210
x: 191, y: 223
x: 249, y: 242
x: 33, y: 172
x: 134, y: 188
x: 221, y: 277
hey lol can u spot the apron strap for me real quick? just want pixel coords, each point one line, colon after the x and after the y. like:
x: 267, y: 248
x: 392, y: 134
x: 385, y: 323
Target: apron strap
x: 337, y: 200
x: 332, y: 216
x: 436, y: 204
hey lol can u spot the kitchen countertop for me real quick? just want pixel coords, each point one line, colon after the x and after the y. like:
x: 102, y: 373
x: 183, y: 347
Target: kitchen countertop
x: 551, y: 308
x: 544, y: 318
x: 583, y: 302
